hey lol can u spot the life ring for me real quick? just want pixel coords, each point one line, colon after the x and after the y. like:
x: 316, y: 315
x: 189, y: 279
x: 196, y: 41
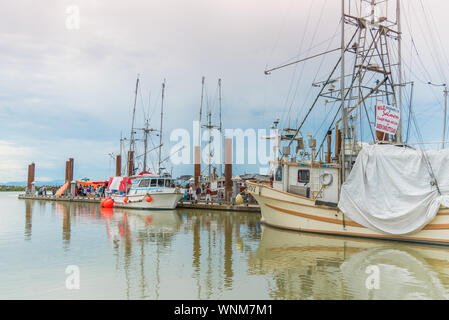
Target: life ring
x: 326, y: 179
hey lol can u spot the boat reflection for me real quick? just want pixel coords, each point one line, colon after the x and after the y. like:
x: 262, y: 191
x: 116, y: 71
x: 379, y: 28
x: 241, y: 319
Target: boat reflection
x: 306, y: 266
x: 149, y: 253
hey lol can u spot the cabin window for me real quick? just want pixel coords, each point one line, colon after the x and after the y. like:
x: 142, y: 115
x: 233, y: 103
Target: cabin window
x: 160, y: 183
x: 153, y: 182
x: 167, y: 183
x: 303, y: 176
x: 278, y: 175
x: 144, y: 183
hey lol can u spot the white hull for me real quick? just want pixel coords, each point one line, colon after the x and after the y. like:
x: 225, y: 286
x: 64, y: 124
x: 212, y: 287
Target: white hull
x: 288, y: 211
x: 159, y: 201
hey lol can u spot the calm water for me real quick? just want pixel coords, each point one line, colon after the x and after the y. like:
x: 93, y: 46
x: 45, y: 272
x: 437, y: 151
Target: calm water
x: 185, y: 254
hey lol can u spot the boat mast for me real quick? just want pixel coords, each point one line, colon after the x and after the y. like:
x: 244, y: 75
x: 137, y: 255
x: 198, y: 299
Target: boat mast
x: 160, y: 132
x: 131, y: 138
x: 221, y: 128
x: 209, y: 128
x: 201, y: 111
x: 445, y: 116
x: 398, y: 21
x: 342, y: 93
x: 146, y: 130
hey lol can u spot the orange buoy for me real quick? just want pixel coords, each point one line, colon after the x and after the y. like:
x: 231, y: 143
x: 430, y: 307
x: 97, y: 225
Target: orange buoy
x: 109, y: 203
x: 102, y: 203
x: 126, y: 200
x: 149, y: 199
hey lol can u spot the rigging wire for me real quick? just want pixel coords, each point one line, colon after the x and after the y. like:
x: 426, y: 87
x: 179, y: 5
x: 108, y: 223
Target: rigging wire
x: 303, y: 65
x: 296, y: 65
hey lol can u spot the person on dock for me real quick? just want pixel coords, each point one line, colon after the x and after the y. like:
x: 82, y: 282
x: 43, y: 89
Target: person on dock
x: 187, y: 193
x: 198, y: 193
x: 208, y: 194
x: 191, y: 194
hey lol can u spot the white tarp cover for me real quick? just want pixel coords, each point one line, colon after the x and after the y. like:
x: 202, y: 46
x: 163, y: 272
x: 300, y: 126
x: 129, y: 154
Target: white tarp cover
x: 389, y: 188
x: 115, y: 184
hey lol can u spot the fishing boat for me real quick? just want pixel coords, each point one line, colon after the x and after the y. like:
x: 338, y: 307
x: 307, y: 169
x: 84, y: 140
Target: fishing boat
x: 145, y: 190
x: 381, y: 188
x: 148, y: 191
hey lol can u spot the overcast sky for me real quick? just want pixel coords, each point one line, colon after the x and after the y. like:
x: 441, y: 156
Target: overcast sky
x: 68, y: 92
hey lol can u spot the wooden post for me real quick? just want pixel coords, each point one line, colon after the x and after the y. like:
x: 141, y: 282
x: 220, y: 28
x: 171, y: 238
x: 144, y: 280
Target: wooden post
x: 228, y: 169
x: 337, y: 141
x: 72, y: 163
x: 30, y: 181
x: 67, y: 168
x: 197, y: 166
x: 130, y: 163
x: 329, y: 145
x: 33, y: 167
x: 118, y: 166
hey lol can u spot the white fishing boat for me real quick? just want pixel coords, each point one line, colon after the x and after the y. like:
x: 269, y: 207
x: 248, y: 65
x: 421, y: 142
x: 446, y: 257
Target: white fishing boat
x: 144, y: 190
x: 381, y: 188
x: 149, y: 191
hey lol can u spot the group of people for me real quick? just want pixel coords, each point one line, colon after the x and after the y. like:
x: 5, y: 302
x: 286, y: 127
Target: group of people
x: 42, y: 191
x: 90, y: 191
x: 195, y: 195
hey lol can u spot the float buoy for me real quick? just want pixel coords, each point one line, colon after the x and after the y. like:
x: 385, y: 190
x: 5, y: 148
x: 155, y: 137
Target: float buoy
x: 109, y: 203
x: 126, y: 200
x: 149, y: 199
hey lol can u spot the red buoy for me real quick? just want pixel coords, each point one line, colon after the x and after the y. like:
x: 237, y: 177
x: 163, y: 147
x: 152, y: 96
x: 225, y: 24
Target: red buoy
x: 126, y: 200
x: 149, y: 199
x: 109, y: 203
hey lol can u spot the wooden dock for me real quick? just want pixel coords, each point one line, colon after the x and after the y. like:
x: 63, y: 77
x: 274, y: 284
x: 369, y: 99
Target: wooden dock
x: 61, y: 198
x: 197, y: 205
x: 218, y: 206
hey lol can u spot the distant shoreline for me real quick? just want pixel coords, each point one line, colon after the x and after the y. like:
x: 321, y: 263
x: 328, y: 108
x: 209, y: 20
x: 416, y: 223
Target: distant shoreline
x: 12, y: 188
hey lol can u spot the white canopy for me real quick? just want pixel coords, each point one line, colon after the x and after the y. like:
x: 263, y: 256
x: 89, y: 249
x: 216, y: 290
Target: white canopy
x: 390, y: 189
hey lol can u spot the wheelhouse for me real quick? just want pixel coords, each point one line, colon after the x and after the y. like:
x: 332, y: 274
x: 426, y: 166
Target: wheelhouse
x: 154, y: 182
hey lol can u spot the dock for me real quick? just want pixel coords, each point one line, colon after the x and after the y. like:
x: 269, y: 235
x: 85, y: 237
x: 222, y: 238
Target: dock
x: 183, y: 204
x: 213, y: 205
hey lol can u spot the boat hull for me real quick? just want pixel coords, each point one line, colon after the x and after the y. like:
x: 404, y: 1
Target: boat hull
x: 284, y: 210
x: 164, y: 201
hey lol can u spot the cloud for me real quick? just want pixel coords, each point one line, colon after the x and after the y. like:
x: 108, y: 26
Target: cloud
x: 70, y: 92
